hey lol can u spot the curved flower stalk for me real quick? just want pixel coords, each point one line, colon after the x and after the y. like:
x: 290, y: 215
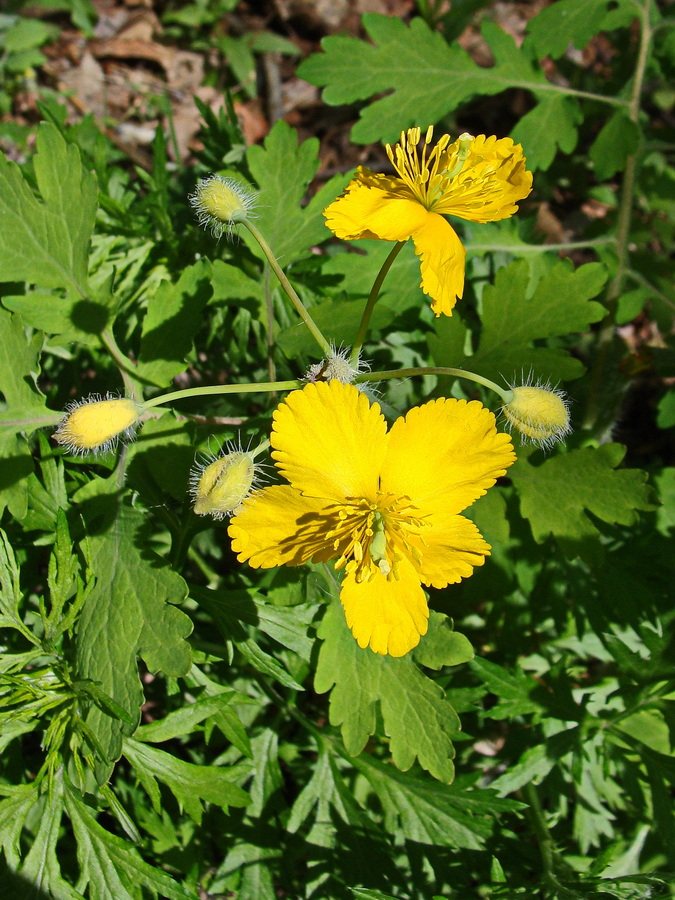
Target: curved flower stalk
x: 480, y: 179
x: 383, y: 504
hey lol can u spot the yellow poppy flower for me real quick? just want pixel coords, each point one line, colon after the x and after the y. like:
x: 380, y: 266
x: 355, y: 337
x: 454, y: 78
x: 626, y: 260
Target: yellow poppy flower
x: 475, y: 178
x: 384, y: 504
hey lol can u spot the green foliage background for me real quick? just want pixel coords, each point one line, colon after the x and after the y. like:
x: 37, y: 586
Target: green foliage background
x: 173, y: 724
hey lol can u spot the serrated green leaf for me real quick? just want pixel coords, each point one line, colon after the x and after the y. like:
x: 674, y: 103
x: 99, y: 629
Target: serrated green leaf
x: 550, y: 126
x: 110, y: 866
x: 173, y: 318
x: 283, y: 169
x: 184, y: 720
x: 191, y: 784
x: 513, y: 317
x: 618, y: 139
x: 423, y: 76
x: 536, y: 762
x: 127, y: 614
x: 575, y: 22
x: 557, y: 495
x: 338, y: 321
x: 433, y: 813
x: 512, y: 689
x: 45, y: 241
x: 267, y: 777
x: 360, y: 264
x: 41, y: 870
x: 14, y: 809
x: 419, y: 722
x: 441, y: 645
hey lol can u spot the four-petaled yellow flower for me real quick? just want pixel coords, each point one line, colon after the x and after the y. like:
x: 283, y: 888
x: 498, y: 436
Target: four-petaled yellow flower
x: 476, y: 178
x: 384, y: 504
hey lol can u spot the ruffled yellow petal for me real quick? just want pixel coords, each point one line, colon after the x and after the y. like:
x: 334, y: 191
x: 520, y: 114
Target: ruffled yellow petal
x: 277, y: 526
x: 374, y: 206
x: 452, y: 548
x: 441, y: 261
x: 445, y: 454
x: 329, y: 441
x: 387, y: 616
x: 492, y: 180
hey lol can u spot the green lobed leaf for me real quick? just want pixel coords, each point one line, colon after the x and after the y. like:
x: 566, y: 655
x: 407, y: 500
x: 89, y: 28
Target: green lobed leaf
x: 45, y: 241
x: 173, y: 318
x: 441, y: 645
x: 283, y: 169
x: 41, y: 870
x: 185, y: 720
x: 618, y: 139
x: 191, y: 784
x: 575, y: 22
x: 513, y: 316
x: 432, y: 813
x: 557, y: 496
x: 424, y: 77
x: 338, y: 321
x: 127, y: 614
x: 419, y: 722
x: 111, y: 867
x: 512, y: 688
x: 14, y: 809
x: 550, y: 126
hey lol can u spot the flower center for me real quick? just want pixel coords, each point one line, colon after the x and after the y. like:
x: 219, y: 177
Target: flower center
x: 372, y: 536
x: 429, y: 177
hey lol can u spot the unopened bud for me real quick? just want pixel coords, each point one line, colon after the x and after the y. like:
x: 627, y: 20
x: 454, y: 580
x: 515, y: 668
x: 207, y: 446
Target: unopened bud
x: 220, y: 487
x: 539, y: 413
x: 221, y: 203
x: 96, y: 424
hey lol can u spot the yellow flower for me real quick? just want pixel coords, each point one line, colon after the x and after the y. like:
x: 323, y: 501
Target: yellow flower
x: 475, y: 178
x: 95, y: 424
x: 383, y: 504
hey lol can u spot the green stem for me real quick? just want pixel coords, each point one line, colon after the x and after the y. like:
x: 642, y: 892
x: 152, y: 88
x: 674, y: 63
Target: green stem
x: 123, y: 363
x: 214, y: 390
x: 504, y: 393
x: 542, y: 248
x: 549, y: 855
x: 372, y: 300
x: 269, y: 312
x: 288, y: 288
x: 624, y: 220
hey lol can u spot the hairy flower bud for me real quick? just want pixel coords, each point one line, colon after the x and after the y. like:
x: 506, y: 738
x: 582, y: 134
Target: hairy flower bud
x: 220, y: 487
x: 539, y: 412
x: 221, y: 203
x: 97, y: 423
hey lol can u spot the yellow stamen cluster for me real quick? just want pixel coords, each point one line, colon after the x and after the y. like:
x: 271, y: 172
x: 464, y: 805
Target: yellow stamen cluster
x: 374, y: 536
x: 429, y: 178
x: 96, y: 424
x: 539, y: 413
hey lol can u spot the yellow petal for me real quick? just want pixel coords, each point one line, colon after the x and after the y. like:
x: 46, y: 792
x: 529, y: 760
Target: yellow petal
x: 492, y: 181
x: 445, y: 454
x: 329, y: 441
x: 374, y: 206
x: 442, y: 263
x: 278, y: 526
x: 387, y: 616
x: 453, y: 547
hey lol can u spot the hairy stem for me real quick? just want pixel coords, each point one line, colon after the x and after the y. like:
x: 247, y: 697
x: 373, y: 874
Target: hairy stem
x: 624, y: 221
x: 288, y: 288
x: 372, y: 300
